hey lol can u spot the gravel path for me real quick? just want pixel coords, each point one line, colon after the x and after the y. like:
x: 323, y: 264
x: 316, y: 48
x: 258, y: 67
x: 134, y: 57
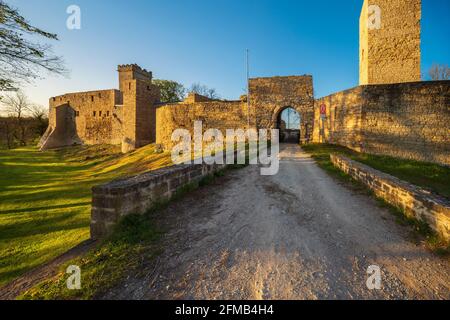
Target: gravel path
x: 297, y: 235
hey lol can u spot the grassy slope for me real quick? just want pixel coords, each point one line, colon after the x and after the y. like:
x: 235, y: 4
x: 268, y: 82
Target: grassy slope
x: 131, y: 249
x: 45, y: 199
x: 427, y: 175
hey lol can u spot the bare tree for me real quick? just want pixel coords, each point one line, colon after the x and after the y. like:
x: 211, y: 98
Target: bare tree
x: 21, y: 58
x: 40, y: 115
x: 17, y: 106
x: 37, y: 111
x: 204, y: 91
x: 7, y: 132
x: 439, y: 72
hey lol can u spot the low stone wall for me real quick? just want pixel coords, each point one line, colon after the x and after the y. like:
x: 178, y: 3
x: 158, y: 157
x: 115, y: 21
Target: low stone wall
x: 136, y: 195
x: 416, y: 202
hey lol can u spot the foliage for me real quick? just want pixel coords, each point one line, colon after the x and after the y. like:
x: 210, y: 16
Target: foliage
x: 171, y: 91
x: 21, y: 57
x: 25, y: 122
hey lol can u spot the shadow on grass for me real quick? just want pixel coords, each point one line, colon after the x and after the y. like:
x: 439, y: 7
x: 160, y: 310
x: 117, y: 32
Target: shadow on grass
x: 63, y: 206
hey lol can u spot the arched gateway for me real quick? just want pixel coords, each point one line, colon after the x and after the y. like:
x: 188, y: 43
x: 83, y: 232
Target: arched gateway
x: 288, y: 122
x: 285, y: 103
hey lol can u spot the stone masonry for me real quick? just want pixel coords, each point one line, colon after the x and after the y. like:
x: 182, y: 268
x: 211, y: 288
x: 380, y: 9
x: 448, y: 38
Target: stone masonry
x: 391, y: 53
x: 414, y: 201
x: 409, y: 120
x: 125, y: 116
x: 268, y: 98
x: 136, y: 195
x: 392, y: 113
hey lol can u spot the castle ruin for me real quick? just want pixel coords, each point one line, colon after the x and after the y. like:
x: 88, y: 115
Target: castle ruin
x: 125, y: 116
x: 392, y: 112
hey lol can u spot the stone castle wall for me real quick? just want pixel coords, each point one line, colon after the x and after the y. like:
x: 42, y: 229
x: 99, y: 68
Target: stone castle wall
x: 409, y: 120
x: 343, y: 119
x: 125, y: 116
x: 220, y: 115
x: 391, y: 54
x: 94, y: 115
x: 270, y: 96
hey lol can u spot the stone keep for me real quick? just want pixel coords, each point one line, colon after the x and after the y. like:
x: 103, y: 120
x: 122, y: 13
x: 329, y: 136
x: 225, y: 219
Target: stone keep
x: 389, y: 51
x: 125, y: 116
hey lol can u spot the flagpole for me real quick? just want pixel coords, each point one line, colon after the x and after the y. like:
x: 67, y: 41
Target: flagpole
x: 248, y: 91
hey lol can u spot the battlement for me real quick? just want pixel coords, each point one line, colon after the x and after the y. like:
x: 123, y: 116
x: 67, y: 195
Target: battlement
x: 135, y: 69
x: 195, y: 97
x: 128, y: 72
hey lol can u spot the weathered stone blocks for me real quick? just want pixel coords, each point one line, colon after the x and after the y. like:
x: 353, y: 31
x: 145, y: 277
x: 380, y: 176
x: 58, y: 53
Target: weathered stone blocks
x: 136, y: 195
x: 407, y: 120
x: 414, y: 201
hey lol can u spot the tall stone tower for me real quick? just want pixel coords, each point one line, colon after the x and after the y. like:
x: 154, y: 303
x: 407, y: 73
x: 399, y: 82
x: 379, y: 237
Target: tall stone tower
x: 139, y: 113
x: 389, y: 48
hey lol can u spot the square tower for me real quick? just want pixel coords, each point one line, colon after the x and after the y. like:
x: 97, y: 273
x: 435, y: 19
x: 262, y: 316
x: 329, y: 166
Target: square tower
x: 389, y: 44
x: 139, y: 113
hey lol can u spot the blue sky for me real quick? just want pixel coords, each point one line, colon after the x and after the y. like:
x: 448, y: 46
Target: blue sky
x: 205, y: 41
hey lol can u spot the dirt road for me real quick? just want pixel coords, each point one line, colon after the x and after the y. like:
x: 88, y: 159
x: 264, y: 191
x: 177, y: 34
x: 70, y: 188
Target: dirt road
x: 297, y: 235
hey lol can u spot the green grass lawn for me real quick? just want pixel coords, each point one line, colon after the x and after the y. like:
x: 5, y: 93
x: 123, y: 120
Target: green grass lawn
x: 430, y: 176
x: 45, y: 199
x: 130, y: 249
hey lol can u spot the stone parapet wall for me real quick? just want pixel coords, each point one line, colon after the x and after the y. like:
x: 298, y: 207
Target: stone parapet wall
x: 136, y: 195
x: 414, y: 201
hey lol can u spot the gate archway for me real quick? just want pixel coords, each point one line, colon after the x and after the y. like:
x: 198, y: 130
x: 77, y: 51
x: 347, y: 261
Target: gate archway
x: 289, y: 124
